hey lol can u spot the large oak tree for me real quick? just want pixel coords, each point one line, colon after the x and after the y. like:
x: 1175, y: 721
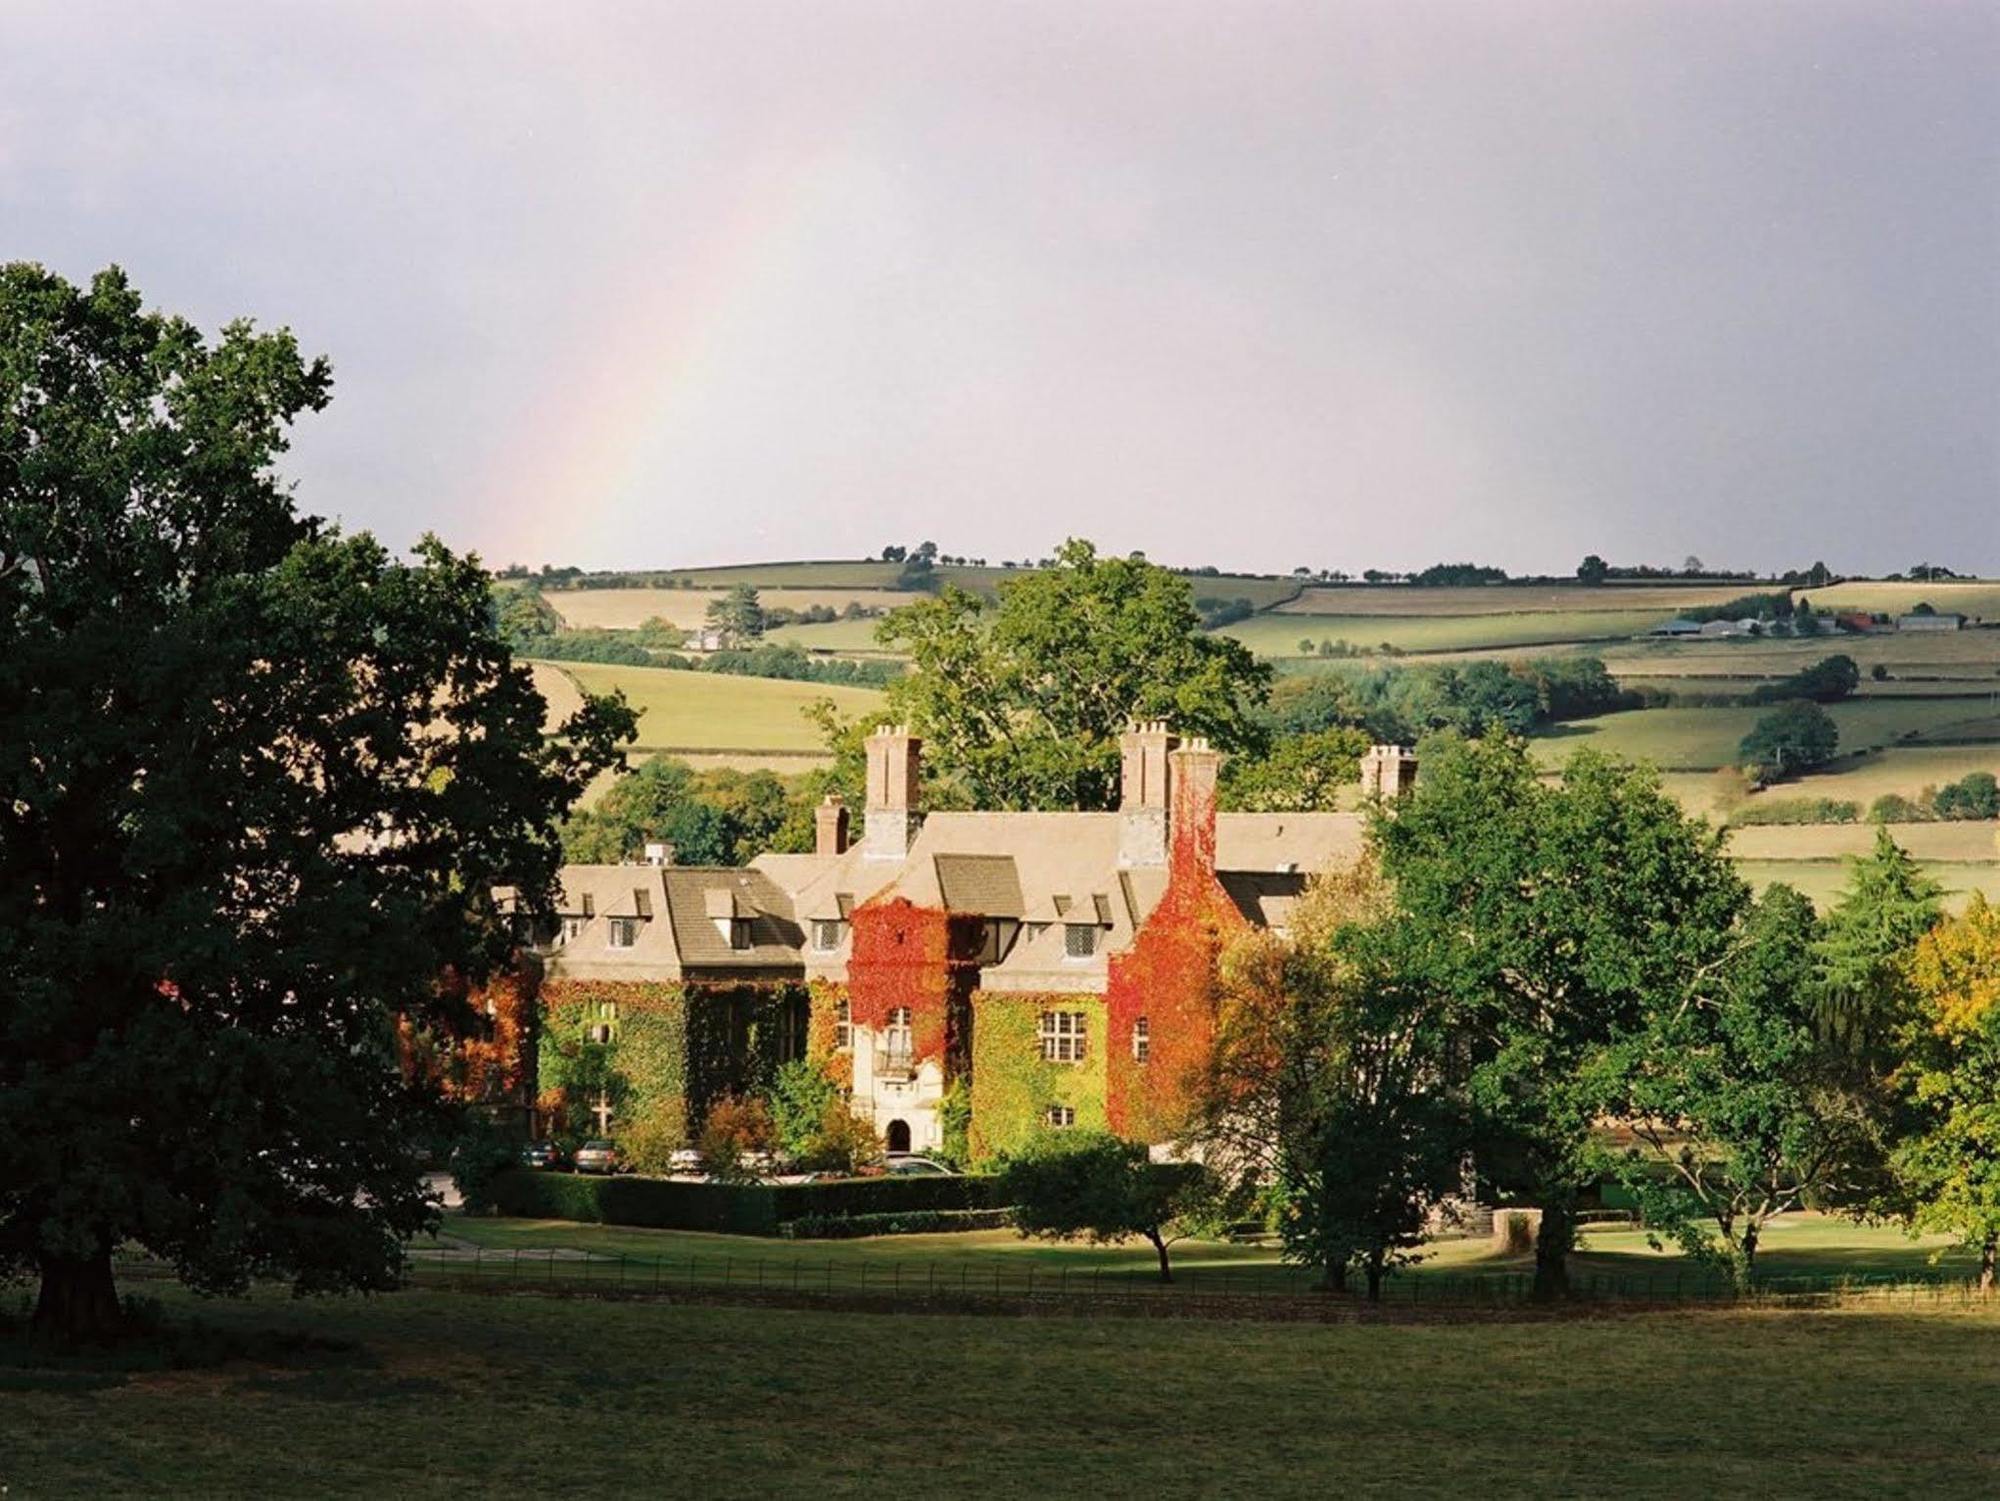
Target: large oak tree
x: 258, y: 784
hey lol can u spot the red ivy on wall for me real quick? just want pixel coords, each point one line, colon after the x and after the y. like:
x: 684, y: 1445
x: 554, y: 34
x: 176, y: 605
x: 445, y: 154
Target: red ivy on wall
x: 922, y: 958
x: 1168, y: 977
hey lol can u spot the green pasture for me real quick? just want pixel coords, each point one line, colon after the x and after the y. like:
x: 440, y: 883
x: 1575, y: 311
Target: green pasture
x: 855, y: 637
x: 1661, y: 601
x: 712, y: 711
x: 1279, y: 634
x: 1823, y: 880
x: 439, y: 1394
x: 1690, y: 739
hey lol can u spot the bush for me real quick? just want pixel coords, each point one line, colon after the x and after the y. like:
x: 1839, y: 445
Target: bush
x: 1893, y: 807
x: 1796, y: 810
x: 736, y: 1130
x: 906, y: 1222
x: 1975, y: 795
x: 732, y: 1208
x: 1825, y: 682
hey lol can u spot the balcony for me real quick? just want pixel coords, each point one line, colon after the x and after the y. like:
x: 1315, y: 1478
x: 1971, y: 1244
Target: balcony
x: 895, y: 1063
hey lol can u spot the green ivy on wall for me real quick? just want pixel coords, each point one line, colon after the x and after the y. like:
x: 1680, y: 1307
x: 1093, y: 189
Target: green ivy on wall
x: 1012, y: 1086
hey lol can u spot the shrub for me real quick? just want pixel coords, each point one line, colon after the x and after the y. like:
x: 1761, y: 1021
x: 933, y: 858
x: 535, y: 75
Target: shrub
x: 1796, y: 738
x: 733, y: 1208
x: 904, y: 1222
x: 1796, y: 810
x: 1975, y: 795
x: 736, y: 1129
x: 800, y: 1093
x: 1893, y: 807
x: 648, y: 1141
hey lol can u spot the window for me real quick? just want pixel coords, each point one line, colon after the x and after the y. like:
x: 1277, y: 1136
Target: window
x: 843, y: 1026
x: 739, y: 932
x: 997, y: 939
x: 827, y: 934
x: 622, y: 932
x: 1065, y: 1036
x: 572, y: 928
x: 1079, y: 940
x: 1059, y: 1117
x: 1142, y: 1039
x: 897, y: 1037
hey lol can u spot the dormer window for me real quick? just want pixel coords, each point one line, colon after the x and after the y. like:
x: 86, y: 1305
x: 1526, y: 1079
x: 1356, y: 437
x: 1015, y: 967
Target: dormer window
x: 621, y: 932
x: 739, y: 932
x: 827, y: 933
x: 1079, y: 940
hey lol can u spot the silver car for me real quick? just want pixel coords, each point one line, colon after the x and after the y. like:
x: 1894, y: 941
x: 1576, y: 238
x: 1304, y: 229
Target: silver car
x: 597, y: 1157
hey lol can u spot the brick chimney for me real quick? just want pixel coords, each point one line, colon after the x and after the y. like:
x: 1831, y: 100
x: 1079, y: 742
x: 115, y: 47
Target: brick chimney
x: 1388, y: 771
x: 895, y: 771
x: 1142, y: 794
x: 830, y: 826
x: 1195, y: 770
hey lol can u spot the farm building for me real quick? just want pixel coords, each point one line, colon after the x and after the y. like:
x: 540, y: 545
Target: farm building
x: 1927, y: 622
x: 1680, y: 625
x: 1030, y: 968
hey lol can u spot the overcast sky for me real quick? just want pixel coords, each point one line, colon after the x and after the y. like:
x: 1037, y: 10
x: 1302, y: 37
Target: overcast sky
x: 1252, y: 284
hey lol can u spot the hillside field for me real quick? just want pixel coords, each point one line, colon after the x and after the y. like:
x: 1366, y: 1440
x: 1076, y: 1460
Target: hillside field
x: 1699, y: 739
x: 1662, y: 601
x: 1279, y: 633
x: 712, y: 711
x: 628, y: 609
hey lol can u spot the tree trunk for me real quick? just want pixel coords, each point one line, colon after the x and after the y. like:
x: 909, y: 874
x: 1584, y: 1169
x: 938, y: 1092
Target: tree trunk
x: 78, y: 1302
x: 1552, y: 1245
x: 1336, y: 1278
x: 1748, y: 1261
x: 1373, y: 1266
x: 1986, y: 1258
x: 1160, y: 1245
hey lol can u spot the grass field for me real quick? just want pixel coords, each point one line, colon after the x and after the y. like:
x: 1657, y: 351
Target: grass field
x: 1685, y: 739
x: 1960, y: 655
x: 712, y: 711
x: 851, y: 636
x: 1795, y: 1245
x: 628, y: 609
x: 440, y: 1394
x: 1823, y: 880
x: 1977, y: 598
x: 1662, y: 601
x: 1278, y: 634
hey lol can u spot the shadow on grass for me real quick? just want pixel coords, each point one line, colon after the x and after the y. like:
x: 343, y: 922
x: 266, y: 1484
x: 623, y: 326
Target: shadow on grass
x: 156, y: 1341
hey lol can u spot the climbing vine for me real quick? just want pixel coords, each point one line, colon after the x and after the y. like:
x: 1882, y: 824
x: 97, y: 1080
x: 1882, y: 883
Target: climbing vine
x: 922, y: 959
x: 1013, y: 1087
x: 1168, y: 977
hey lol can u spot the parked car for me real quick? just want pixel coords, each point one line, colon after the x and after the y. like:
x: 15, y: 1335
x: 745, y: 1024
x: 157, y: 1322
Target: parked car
x: 917, y: 1167
x: 542, y: 1154
x: 597, y: 1157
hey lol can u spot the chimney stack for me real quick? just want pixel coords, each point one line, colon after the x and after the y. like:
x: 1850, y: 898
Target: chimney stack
x: 1387, y: 772
x: 895, y: 768
x: 1195, y: 770
x: 1142, y: 794
x: 830, y: 826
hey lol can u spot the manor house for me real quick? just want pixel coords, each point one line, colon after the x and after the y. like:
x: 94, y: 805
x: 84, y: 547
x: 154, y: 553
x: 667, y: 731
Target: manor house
x: 992, y: 973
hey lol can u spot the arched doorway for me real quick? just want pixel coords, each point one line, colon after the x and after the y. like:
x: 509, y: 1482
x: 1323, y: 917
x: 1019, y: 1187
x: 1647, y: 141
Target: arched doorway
x: 899, y: 1136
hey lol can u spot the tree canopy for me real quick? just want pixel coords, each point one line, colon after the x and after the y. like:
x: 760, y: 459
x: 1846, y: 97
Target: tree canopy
x: 1021, y: 700
x: 258, y: 787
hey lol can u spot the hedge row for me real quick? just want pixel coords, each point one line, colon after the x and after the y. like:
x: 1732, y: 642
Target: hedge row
x: 906, y: 1222
x: 737, y: 1209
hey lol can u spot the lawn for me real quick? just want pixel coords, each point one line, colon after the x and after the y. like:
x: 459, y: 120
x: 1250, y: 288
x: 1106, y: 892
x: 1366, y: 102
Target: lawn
x: 713, y: 711
x: 1796, y: 1245
x: 439, y: 1394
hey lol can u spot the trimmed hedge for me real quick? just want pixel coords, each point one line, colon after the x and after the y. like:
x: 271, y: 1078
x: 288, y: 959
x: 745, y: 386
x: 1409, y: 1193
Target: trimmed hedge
x: 908, y: 1222
x: 732, y: 1208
